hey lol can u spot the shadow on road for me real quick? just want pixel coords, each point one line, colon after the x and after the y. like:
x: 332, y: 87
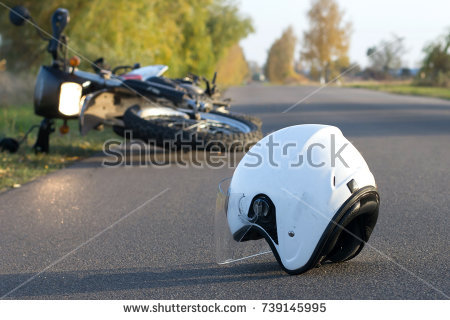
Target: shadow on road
x: 184, y: 281
x: 64, y: 283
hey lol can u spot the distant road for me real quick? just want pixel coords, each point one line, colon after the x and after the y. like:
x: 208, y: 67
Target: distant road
x: 165, y: 250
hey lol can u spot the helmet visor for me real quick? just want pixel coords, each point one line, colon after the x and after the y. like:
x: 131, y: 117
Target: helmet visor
x: 239, y: 244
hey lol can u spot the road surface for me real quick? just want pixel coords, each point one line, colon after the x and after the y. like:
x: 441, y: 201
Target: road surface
x: 76, y: 233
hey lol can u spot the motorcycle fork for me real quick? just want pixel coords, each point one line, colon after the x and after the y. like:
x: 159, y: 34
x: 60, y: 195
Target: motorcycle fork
x: 42, y: 143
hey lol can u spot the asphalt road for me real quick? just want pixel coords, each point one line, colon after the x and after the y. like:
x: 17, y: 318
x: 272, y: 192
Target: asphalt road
x: 165, y: 249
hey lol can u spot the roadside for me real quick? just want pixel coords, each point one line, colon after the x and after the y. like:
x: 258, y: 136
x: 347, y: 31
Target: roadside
x: 399, y: 87
x: 403, y: 88
x: 25, y: 165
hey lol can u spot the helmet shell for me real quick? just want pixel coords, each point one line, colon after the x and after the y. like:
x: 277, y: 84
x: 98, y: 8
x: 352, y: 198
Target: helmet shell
x: 305, y: 171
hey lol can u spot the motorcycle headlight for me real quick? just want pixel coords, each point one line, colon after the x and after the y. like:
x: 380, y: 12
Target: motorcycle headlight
x: 69, y: 98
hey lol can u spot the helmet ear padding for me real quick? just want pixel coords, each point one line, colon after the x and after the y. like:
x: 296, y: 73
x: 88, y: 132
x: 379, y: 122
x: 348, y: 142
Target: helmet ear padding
x: 353, y: 230
x: 347, y: 243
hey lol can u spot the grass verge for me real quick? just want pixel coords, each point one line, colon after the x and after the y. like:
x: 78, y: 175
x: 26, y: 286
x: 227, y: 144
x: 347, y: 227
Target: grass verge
x: 25, y: 165
x: 408, y: 89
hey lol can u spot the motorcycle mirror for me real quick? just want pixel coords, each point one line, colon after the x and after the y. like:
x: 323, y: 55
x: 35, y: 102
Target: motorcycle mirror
x: 213, y: 82
x: 208, y: 87
x: 60, y: 18
x: 18, y: 15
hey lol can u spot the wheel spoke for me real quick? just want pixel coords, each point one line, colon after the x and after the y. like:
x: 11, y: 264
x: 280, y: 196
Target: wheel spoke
x: 203, y: 125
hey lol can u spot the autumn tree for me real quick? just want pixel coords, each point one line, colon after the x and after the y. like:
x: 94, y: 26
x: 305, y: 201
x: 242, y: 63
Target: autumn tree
x: 188, y: 36
x: 280, y: 61
x: 326, y: 43
x: 233, y: 68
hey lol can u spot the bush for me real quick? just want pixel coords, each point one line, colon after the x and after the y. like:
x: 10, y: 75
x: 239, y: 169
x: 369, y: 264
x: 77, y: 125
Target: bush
x: 15, y: 89
x: 435, y: 70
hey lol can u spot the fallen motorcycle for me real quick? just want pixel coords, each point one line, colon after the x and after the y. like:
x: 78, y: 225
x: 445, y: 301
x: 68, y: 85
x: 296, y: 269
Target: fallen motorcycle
x: 166, y: 112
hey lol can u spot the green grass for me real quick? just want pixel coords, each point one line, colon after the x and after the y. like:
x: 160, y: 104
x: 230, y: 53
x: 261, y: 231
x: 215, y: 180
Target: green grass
x: 409, y: 89
x: 25, y: 165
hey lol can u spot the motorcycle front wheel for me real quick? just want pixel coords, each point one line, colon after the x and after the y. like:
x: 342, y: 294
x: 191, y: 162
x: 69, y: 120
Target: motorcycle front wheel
x: 212, y: 130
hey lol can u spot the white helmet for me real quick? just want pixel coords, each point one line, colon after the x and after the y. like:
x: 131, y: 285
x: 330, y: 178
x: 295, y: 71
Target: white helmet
x: 307, y: 191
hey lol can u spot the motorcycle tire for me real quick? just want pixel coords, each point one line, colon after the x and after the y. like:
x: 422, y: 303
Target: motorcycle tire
x: 255, y: 120
x: 213, y: 131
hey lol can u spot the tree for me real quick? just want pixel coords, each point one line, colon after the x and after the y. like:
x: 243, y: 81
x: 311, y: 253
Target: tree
x: 326, y: 43
x: 435, y: 68
x: 189, y: 36
x: 387, y: 55
x: 233, y: 68
x: 280, y: 60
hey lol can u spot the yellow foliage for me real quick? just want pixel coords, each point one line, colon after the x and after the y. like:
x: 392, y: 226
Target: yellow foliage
x: 232, y: 69
x: 188, y: 36
x: 325, y: 45
x: 280, y: 61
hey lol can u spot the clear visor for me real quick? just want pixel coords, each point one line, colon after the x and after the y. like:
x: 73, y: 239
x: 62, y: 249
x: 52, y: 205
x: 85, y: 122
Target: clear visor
x: 228, y: 217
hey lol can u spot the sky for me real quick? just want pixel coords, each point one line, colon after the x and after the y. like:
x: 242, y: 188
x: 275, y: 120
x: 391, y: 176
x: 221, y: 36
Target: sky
x: 418, y: 21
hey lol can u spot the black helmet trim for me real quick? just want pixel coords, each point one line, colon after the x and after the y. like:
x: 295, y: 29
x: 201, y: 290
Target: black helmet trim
x: 335, y: 229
